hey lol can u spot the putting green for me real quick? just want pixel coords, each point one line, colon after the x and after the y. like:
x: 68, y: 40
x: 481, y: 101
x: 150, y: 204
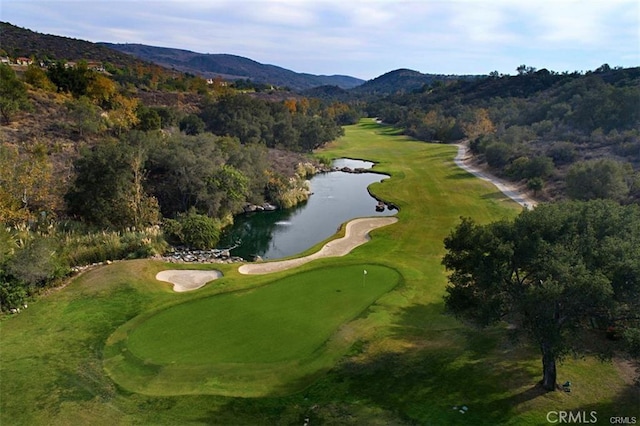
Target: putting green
x: 264, y: 340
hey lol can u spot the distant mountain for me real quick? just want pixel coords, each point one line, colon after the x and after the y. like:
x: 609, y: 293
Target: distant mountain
x: 18, y: 41
x: 403, y: 80
x: 232, y: 67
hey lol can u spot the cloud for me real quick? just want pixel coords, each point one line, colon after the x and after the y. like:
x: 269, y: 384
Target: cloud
x: 279, y: 12
x: 364, y: 38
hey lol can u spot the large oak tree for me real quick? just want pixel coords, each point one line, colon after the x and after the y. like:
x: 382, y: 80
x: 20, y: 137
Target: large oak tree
x: 555, y: 273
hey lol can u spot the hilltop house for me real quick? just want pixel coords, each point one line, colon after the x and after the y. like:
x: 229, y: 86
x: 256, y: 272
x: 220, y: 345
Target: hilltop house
x: 23, y: 61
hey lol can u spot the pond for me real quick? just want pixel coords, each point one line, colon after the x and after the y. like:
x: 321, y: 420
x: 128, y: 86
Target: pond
x: 337, y: 198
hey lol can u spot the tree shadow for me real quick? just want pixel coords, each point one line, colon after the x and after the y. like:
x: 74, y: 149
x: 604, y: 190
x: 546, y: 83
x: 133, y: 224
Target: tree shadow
x: 626, y: 404
x: 494, y: 196
x: 460, y: 175
x: 435, y: 368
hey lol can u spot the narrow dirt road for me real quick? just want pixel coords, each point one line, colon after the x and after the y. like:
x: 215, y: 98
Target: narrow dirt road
x: 462, y: 160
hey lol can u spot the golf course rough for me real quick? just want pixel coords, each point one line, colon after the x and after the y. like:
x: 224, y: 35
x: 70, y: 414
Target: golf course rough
x: 273, y: 339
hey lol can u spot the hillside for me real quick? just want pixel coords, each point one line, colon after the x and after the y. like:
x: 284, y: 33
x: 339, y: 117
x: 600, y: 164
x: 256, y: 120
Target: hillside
x: 231, y: 67
x: 402, y: 81
x: 553, y: 132
x: 16, y: 41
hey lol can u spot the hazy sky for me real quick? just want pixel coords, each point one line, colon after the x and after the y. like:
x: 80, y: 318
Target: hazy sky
x: 360, y: 38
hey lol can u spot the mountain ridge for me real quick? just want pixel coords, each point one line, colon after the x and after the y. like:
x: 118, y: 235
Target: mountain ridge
x: 18, y: 41
x: 230, y: 66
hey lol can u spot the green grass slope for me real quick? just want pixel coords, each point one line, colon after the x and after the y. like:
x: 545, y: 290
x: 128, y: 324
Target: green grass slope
x: 406, y: 362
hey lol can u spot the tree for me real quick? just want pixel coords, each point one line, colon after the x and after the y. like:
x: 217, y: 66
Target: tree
x: 539, y: 167
x: 497, y: 154
x: 101, y: 89
x: 149, y: 119
x: 562, y: 153
x: 478, y: 124
x: 523, y: 69
x: 72, y: 79
x: 535, y: 184
x: 597, y: 179
x: 551, y: 273
x: 13, y: 93
x: 179, y: 174
x: 26, y: 183
x: 192, y: 125
x: 123, y: 114
x: 233, y: 187
x: 107, y: 190
x: 86, y: 115
x: 199, y: 231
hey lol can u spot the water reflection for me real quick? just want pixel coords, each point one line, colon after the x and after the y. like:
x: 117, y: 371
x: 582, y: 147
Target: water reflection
x: 337, y: 197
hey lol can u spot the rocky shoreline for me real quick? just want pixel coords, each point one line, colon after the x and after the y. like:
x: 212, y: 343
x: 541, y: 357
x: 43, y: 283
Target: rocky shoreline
x: 186, y: 255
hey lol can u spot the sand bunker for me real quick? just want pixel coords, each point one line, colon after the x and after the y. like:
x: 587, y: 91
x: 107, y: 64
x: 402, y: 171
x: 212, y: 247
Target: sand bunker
x: 187, y: 279
x: 356, y: 233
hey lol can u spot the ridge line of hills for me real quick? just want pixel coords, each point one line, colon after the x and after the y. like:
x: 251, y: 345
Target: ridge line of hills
x: 231, y: 67
x: 17, y: 41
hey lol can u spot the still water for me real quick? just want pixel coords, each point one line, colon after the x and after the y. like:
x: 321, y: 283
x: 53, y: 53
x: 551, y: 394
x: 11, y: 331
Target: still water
x: 337, y: 198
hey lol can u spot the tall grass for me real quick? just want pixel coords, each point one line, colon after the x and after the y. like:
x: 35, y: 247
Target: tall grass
x: 35, y: 257
x: 83, y: 249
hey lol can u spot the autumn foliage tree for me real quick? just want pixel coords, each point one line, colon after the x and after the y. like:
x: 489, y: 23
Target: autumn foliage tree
x: 26, y: 186
x: 478, y: 124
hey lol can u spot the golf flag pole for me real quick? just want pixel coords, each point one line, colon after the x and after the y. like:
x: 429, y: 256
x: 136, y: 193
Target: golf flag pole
x: 364, y: 275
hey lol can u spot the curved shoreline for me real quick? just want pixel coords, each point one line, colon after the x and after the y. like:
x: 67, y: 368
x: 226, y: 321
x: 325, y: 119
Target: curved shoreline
x: 356, y: 234
x: 462, y: 161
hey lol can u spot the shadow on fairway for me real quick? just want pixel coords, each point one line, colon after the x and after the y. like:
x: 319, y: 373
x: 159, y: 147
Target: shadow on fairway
x: 446, y: 366
x: 625, y: 404
x: 459, y: 175
x: 449, y: 366
x: 382, y: 129
x: 494, y: 196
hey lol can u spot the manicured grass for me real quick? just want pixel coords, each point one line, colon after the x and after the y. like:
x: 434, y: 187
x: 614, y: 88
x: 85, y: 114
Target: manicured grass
x: 287, y: 322
x: 406, y: 362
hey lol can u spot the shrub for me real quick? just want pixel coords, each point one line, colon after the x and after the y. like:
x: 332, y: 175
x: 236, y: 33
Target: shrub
x: 12, y: 293
x: 37, y: 263
x: 518, y: 167
x: 598, y: 179
x: 562, y: 153
x: 172, y: 230
x: 199, y: 231
x: 539, y: 166
x: 191, y: 125
x: 497, y: 154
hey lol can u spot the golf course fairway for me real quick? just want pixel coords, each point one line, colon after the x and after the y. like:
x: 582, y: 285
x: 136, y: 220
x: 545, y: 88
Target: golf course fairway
x: 246, y: 342
x: 377, y: 352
